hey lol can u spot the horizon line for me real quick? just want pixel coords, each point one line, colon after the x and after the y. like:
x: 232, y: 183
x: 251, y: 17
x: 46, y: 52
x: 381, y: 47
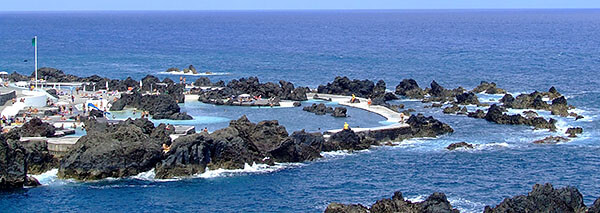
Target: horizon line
x: 320, y: 9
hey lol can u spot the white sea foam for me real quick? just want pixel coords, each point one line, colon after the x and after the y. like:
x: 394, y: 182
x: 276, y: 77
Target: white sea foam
x: 466, y: 205
x: 198, y: 74
x: 335, y: 153
x: 148, y: 175
x: 255, y: 168
x: 47, y: 177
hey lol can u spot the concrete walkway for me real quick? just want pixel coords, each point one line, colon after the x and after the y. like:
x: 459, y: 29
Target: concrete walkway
x: 391, y: 115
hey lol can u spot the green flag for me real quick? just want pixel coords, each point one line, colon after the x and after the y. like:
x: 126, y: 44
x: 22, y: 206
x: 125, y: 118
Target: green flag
x: 33, y: 42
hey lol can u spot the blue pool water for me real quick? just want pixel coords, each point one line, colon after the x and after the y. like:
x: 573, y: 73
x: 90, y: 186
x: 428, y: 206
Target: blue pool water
x: 520, y: 50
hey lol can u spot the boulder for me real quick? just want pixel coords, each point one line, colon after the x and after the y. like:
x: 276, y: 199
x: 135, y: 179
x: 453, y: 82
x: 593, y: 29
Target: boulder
x: 435, y: 203
x: 112, y: 150
x: 543, y: 198
x: 38, y: 157
x: 298, y: 147
x: 463, y: 145
x: 319, y: 109
x: 13, y: 167
x: 160, y: 106
x: 345, y: 86
x: 422, y: 126
x: 495, y: 114
x: 31, y: 182
x: 347, y: 140
x: 188, y: 155
x: 96, y: 113
x: 477, y: 114
x: 409, y: 88
x: 574, y: 131
x: 297, y: 103
x: 452, y: 109
x: 173, y: 69
x: 339, y: 112
x: 34, y: 128
x: 551, y: 140
x: 467, y: 98
x: 489, y: 88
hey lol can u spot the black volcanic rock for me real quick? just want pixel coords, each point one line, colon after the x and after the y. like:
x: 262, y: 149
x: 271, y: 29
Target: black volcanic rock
x: 454, y: 146
x: 159, y: 106
x: 319, y: 109
x: 543, y: 198
x: 33, y: 128
x: 38, y: 157
x: 435, y: 203
x: 467, y: 98
x: 574, y: 131
x: 347, y: 140
x: 345, y: 86
x: 13, y: 167
x: 300, y: 146
x: 495, y: 114
x: 422, y: 126
x: 339, y: 112
x: 489, y: 88
x: 409, y: 88
x: 112, y: 150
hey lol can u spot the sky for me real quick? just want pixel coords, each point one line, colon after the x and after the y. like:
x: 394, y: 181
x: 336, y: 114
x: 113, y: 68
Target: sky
x: 62, y: 5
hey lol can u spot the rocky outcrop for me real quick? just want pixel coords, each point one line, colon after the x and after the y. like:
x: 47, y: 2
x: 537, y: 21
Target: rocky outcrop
x: 467, y: 98
x: 319, y: 109
x: 495, y: 114
x: 463, y: 145
x: 489, y: 88
x: 205, y: 82
x: 241, y: 143
x: 409, y: 88
x: 435, y: 203
x: 551, y: 140
x: 422, y: 126
x: 477, y: 114
x: 300, y: 146
x: 543, y: 198
x: 54, y: 75
x: 159, y: 106
x: 38, y: 157
x: 253, y: 87
x: 345, y: 86
x: 574, y: 131
x: 33, y: 128
x: 534, y: 100
x: 112, y: 150
x: 322, y: 109
x: 13, y: 167
x: 339, y: 112
x: 347, y: 140
x: 440, y: 94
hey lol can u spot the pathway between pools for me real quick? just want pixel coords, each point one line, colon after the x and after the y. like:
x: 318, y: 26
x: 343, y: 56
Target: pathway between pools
x: 391, y: 115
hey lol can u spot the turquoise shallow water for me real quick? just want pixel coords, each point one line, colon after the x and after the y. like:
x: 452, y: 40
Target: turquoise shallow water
x: 521, y: 50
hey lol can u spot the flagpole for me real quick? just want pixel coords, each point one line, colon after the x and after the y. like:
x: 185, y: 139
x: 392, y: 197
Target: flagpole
x: 36, y: 69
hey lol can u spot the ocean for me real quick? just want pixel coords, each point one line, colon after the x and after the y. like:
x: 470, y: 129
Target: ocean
x: 520, y: 50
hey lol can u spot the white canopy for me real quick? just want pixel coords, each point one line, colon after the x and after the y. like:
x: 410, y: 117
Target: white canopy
x: 3, y: 73
x: 244, y: 96
x: 60, y: 103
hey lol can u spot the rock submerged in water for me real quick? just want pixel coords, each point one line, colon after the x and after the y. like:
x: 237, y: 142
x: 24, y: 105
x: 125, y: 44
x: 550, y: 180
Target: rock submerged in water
x: 112, y: 150
x: 322, y: 109
x: 436, y: 202
x: 495, y: 114
x: 551, y: 140
x: 409, y: 88
x: 543, y: 198
x: 463, y: 145
x: 574, y: 131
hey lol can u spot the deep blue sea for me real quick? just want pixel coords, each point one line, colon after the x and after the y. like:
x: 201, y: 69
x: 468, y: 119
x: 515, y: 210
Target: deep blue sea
x: 520, y: 50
